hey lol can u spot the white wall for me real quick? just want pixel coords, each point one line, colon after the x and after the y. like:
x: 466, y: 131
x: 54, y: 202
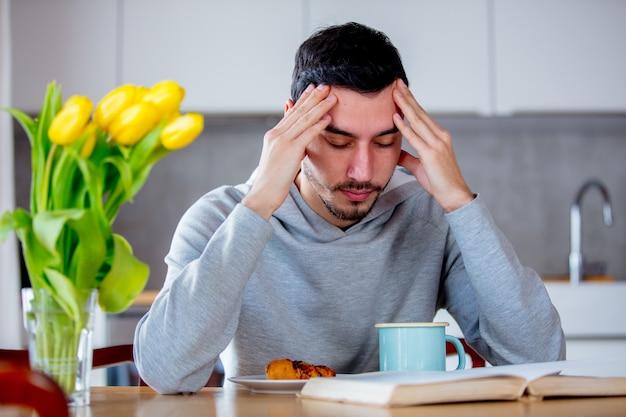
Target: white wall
x: 9, y: 273
x: 528, y: 170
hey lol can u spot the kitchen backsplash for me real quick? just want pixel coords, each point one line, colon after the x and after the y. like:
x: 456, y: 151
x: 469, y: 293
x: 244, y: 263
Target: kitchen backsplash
x: 527, y: 168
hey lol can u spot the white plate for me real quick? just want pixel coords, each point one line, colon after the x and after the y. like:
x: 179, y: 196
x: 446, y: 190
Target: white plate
x: 260, y: 384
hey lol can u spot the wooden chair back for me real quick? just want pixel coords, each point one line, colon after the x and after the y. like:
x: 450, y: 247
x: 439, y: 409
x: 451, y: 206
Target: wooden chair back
x: 102, y: 357
x: 477, y: 360
x: 21, y: 386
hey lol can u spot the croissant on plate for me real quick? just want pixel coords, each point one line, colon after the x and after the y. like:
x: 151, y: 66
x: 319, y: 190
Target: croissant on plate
x: 288, y: 369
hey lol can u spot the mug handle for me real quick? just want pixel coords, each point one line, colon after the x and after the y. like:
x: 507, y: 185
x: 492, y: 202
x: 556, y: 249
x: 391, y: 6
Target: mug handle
x: 459, y: 350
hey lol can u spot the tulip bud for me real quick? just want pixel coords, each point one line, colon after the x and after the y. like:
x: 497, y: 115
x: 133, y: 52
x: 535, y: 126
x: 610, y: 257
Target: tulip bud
x: 69, y: 123
x: 141, y: 92
x: 166, y: 96
x: 181, y: 131
x: 90, y: 141
x: 133, y: 123
x: 111, y: 105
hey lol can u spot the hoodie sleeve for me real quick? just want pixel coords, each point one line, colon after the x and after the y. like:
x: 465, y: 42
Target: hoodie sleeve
x: 502, y: 307
x: 213, y: 253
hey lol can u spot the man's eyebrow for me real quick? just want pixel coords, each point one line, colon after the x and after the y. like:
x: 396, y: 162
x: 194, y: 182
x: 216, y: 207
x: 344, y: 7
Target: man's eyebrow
x: 336, y: 130
x: 388, y: 131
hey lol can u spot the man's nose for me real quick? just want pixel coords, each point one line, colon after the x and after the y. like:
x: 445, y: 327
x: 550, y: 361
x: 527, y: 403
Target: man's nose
x: 361, y: 165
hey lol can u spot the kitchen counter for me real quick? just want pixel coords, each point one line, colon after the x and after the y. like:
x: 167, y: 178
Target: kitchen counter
x: 593, y: 317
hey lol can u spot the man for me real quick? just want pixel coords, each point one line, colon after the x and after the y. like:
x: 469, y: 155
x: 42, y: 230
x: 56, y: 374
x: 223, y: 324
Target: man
x: 339, y: 229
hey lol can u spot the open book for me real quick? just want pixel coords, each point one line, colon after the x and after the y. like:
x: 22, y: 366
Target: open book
x: 509, y: 382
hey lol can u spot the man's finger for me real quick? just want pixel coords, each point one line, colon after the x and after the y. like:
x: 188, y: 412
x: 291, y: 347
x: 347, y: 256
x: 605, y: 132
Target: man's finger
x: 408, y: 161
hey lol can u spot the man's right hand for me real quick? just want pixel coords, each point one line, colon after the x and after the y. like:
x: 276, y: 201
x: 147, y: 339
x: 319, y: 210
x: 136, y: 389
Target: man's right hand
x: 284, y: 148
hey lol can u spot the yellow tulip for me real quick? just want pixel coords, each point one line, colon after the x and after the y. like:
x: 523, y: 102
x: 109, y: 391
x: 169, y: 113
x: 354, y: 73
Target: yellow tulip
x: 166, y: 96
x: 90, y: 141
x: 69, y: 123
x: 112, y: 105
x: 133, y: 123
x: 141, y: 92
x: 181, y: 131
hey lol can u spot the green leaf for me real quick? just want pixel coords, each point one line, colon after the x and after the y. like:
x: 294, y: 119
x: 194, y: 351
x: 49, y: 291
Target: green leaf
x: 90, y: 251
x: 91, y: 183
x: 27, y: 123
x: 36, y: 256
x: 141, y: 152
x: 48, y: 226
x: 86, y: 253
x: 65, y: 293
x: 124, y: 177
x: 142, y: 175
x: 125, y: 280
x: 7, y: 225
x: 51, y: 105
x: 68, y: 183
x: 62, y: 192
x: 41, y: 146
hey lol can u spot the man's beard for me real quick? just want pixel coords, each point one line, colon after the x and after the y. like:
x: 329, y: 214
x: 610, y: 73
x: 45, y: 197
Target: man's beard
x: 358, y: 209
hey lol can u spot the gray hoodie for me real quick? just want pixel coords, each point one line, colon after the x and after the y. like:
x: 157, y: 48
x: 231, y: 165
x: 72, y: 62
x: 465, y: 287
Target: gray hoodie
x: 298, y: 287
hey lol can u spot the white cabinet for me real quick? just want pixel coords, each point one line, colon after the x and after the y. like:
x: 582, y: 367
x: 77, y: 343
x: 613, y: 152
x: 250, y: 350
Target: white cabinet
x: 71, y: 41
x: 487, y: 57
x: 444, y: 45
x: 501, y: 57
x: 592, y: 317
x: 606, y: 348
x: 231, y: 56
x: 560, y: 56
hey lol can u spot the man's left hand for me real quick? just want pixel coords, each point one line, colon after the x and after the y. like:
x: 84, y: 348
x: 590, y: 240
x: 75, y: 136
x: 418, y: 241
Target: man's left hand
x: 436, y: 168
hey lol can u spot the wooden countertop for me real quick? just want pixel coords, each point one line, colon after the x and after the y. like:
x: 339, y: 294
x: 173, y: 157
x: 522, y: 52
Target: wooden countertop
x: 587, y: 278
x: 143, y: 401
x: 145, y: 299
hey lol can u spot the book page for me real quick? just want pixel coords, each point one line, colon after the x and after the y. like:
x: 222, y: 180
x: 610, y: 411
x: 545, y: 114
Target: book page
x: 393, y: 388
x: 609, y: 367
x: 526, y: 371
x: 583, y: 378
x: 576, y: 386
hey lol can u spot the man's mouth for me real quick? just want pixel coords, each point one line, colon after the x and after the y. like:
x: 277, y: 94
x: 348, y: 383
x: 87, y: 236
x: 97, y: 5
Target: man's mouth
x: 356, y: 195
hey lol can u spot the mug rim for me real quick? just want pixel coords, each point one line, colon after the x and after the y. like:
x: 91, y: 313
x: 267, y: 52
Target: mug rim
x: 412, y: 324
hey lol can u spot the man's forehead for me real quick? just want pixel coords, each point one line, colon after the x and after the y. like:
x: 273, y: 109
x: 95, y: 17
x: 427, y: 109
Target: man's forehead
x: 366, y: 95
x: 356, y: 113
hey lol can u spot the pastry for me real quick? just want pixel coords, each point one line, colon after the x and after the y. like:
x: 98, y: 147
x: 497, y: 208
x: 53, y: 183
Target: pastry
x: 288, y: 369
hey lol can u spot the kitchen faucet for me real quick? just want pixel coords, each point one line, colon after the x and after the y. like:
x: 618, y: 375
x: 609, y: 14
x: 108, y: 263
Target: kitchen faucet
x: 575, y: 257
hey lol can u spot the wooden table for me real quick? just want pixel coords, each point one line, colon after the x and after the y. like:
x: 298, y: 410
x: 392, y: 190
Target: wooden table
x: 217, y: 402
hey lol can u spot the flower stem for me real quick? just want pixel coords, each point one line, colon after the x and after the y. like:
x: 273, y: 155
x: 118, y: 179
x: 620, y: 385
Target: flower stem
x: 45, y: 186
x: 57, y: 337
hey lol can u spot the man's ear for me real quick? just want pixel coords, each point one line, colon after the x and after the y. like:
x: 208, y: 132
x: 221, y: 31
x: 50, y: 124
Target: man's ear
x: 288, y: 105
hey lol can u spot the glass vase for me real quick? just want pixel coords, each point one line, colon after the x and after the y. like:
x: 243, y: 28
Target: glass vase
x: 60, y: 339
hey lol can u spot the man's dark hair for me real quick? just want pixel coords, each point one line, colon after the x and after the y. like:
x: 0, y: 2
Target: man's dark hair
x: 351, y: 55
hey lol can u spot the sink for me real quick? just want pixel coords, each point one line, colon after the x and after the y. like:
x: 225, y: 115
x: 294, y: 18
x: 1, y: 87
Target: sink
x: 590, y: 309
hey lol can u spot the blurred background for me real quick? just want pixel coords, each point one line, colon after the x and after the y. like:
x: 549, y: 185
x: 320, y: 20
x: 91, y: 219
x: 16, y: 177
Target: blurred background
x: 533, y: 92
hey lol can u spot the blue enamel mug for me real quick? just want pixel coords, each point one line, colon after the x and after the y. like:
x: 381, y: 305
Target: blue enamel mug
x: 416, y: 346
